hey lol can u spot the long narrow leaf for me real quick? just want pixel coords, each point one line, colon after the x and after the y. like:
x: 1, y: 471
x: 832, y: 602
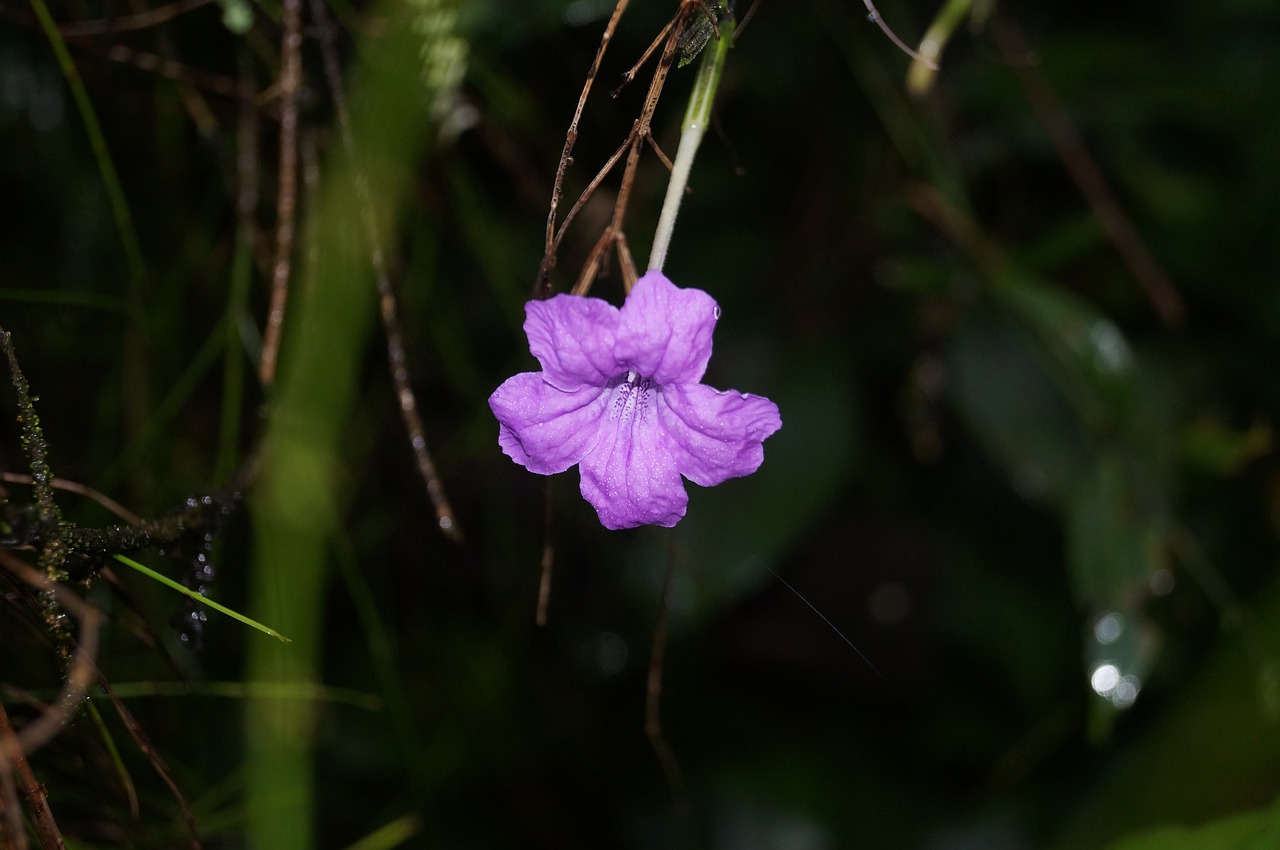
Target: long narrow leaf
x: 203, y: 600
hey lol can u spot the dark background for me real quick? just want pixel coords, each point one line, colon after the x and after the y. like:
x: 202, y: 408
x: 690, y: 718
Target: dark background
x: 994, y: 435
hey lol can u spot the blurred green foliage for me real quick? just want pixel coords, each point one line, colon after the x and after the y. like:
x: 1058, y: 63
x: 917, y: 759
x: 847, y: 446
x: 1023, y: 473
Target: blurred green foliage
x: 1045, y: 510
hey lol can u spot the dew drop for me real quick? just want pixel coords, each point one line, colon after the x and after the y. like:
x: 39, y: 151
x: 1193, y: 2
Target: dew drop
x: 1108, y: 628
x: 1125, y: 692
x: 1104, y: 679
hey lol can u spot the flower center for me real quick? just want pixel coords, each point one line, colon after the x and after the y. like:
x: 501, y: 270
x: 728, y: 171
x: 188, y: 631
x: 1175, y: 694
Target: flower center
x: 631, y: 397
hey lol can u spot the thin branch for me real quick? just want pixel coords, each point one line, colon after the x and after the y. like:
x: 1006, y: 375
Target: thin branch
x: 746, y: 19
x: 129, y: 23
x: 14, y: 761
x: 1086, y: 174
x: 286, y: 200
x: 595, y: 256
x: 666, y: 160
x: 548, y: 557
x: 157, y: 761
x: 127, y: 786
x: 82, y: 672
x: 542, y: 288
x: 590, y: 190
x: 959, y: 227
x: 874, y: 16
x: 167, y: 68
x: 613, y: 234
x: 631, y: 72
x: 80, y: 490
x: 625, y: 262
x: 396, y: 359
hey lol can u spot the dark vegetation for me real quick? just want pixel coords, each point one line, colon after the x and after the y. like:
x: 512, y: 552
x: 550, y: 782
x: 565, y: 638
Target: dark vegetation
x: 1022, y: 329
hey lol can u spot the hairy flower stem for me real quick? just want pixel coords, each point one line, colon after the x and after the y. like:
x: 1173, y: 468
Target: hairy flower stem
x: 696, y: 118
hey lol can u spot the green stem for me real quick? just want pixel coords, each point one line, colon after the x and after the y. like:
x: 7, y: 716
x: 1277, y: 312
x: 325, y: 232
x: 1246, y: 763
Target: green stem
x: 924, y: 66
x: 296, y: 501
x: 134, y: 366
x: 97, y: 141
x: 696, y: 118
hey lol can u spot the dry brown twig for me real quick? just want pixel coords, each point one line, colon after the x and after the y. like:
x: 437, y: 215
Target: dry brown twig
x: 158, y: 763
x: 80, y: 490
x: 542, y: 289
x: 131, y: 23
x: 613, y: 237
x: 397, y: 361
x: 548, y: 557
x: 289, y: 88
x: 82, y: 670
x: 286, y: 200
x: 613, y: 234
x: 1019, y: 56
x: 13, y: 763
x: 16, y: 746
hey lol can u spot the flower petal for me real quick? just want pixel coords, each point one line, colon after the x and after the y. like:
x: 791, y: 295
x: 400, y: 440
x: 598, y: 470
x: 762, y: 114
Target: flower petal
x: 544, y: 429
x: 716, y: 435
x: 573, y: 339
x: 664, y: 331
x: 630, y: 477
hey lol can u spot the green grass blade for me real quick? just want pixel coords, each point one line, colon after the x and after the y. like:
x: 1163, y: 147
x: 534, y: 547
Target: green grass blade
x: 203, y: 600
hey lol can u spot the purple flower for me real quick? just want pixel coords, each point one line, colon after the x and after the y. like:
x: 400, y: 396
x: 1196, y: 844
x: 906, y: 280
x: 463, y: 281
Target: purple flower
x: 618, y: 395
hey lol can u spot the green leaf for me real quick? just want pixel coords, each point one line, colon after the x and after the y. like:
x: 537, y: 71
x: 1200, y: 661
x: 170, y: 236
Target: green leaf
x: 1015, y: 407
x: 1087, y: 352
